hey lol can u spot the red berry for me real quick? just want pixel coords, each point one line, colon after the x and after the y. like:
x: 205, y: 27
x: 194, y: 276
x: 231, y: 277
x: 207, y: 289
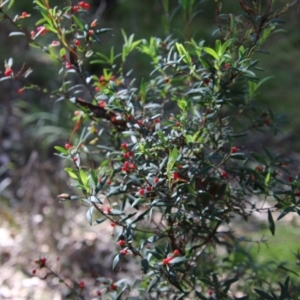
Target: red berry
x: 124, y: 146
x: 55, y: 43
x: 124, y: 169
x: 20, y: 91
x: 176, y: 176
x: 259, y: 168
x: 90, y: 32
x: 176, y: 252
x: 227, y: 66
x: 149, y: 188
x: 156, y: 121
x: 75, y: 159
x: 140, y: 122
x: 68, y: 65
x: 107, y: 210
x: 297, y: 194
x: 206, y: 81
x: 224, y: 174
x: 67, y: 146
x: 102, y: 103
x: 210, y: 292
x: 42, y: 30
x: 113, y: 287
x: 81, y: 285
x: 99, y: 293
x: 112, y: 224
x: 42, y: 262
x: 33, y: 271
x: 177, y: 124
x: 156, y: 180
x: 75, y: 8
x: 8, y: 72
x: 130, y: 154
x: 86, y: 6
x: 24, y: 14
x: 132, y: 166
x: 234, y: 149
x: 167, y: 260
x: 123, y: 251
x: 121, y: 243
x: 167, y: 80
x: 32, y: 34
x: 108, y: 182
x: 81, y: 3
x: 142, y: 192
x: 77, y: 42
x: 125, y: 155
x: 129, y: 118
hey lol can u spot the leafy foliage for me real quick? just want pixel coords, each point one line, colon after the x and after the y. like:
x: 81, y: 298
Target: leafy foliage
x: 163, y: 160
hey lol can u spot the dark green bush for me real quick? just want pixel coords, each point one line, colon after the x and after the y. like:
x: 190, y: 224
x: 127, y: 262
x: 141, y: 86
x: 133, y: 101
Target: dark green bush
x: 163, y: 160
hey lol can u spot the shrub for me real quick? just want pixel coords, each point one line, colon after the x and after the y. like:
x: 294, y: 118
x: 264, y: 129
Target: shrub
x: 162, y: 160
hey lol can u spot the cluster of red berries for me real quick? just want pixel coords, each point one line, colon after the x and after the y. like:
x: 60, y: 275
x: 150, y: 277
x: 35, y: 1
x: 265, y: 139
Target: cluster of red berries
x: 167, y: 260
x: 143, y: 191
x: 128, y: 167
x: 81, y: 5
x: 103, y: 81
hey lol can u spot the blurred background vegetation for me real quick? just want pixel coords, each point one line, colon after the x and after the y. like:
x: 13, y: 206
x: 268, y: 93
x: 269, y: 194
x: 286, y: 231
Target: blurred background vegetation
x: 32, y: 123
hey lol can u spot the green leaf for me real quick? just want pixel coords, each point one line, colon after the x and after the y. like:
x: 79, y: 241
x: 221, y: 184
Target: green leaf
x: 99, y: 221
x: 212, y: 52
x: 199, y: 295
x: 16, y: 33
x: 288, y: 270
x: 153, y: 283
x: 271, y: 222
x: 78, y: 22
x: 141, y: 216
x: 89, y: 215
x: 286, y: 211
x: 83, y: 177
x: 172, y: 160
x: 116, y: 261
x: 267, y: 178
x: 61, y: 150
x: 263, y: 294
x: 178, y: 259
x: 145, y: 265
x: 259, y: 158
x: 71, y: 173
